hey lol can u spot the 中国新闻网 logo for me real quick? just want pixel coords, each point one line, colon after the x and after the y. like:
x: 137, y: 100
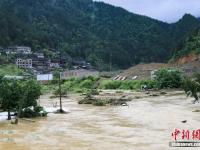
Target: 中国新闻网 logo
x: 185, y: 138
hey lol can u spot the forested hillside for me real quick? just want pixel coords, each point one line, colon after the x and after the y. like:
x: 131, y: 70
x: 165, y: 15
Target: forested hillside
x: 191, y: 45
x: 94, y: 31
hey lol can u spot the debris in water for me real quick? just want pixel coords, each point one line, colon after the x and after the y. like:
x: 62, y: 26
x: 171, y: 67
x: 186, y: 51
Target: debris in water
x: 124, y: 104
x: 197, y: 110
x: 184, y: 121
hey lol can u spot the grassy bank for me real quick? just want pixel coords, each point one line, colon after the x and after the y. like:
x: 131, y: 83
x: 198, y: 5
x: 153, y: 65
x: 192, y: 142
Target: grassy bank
x: 165, y: 78
x: 10, y: 69
x: 87, y: 84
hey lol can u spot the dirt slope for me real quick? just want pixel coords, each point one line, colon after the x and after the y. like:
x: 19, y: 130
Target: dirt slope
x: 142, y: 71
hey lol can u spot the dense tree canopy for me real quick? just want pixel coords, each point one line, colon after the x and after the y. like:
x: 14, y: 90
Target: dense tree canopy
x: 90, y: 30
x: 168, y: 78
x: 10, y: 95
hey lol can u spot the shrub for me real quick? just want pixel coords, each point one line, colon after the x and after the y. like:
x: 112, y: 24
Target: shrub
x: 27, y: 113
x: 127, y: 85
x: 85, y: 101
x: 110, y: 84
x: 94, y: 92
x: 30, y: 112
x: 86, y: 84
x: 192, y: 86
x: 150, y: 83
x: 168, y: 78
x: 101, y: 102
x: 63, y: 91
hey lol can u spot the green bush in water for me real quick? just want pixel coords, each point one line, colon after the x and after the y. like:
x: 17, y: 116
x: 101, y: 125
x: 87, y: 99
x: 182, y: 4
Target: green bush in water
x: 30, y: 112
x: 101, y: 102
x: 94, y: 92
x: 85, y: 101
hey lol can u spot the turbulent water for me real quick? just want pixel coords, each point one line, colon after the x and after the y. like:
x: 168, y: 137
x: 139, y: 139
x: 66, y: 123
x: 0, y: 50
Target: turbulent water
x: 146, y: 124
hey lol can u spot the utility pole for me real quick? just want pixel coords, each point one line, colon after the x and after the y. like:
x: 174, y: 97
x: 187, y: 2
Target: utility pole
x: 60, y: 90
x: 110, y: 62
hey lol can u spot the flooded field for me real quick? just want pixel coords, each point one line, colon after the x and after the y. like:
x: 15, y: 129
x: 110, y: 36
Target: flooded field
x: 146, y: 124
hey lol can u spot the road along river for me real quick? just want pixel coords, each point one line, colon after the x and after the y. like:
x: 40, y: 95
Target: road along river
x: 147, y: 124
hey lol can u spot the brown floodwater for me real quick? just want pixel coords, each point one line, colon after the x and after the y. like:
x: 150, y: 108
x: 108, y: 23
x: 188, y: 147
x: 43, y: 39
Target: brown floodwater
x: 146, y: 124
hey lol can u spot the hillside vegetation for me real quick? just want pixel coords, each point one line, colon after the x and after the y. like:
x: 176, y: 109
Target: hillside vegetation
x: 94, y: 31
x: 191, y: 45
x: 10, y: 69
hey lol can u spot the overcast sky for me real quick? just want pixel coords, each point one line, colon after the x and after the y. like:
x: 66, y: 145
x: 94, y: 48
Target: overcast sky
x: 165, y: 10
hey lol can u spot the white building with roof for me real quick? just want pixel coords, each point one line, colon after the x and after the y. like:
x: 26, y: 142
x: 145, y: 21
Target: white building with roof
x: 19, y: 50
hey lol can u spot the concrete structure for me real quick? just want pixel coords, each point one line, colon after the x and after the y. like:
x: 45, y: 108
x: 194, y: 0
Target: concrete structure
x: 78, y: 73
x: 45, y: 77
x: 41, y: 64
x: 24, y: 63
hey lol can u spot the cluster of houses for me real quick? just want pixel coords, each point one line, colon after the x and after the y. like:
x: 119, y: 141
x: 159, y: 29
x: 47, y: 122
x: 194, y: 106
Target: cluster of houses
x: 25, y: 58
x: 42, y: 66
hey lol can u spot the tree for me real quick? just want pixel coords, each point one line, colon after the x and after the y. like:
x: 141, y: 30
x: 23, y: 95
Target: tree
x: 11, y: 94
x: 168, y: 78
x: 31, y: 92
x: 192, y: 87
x: 16, y: 95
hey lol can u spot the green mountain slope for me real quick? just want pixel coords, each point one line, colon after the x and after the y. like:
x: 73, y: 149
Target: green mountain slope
x: 191, y: 45
x: 94, y: 31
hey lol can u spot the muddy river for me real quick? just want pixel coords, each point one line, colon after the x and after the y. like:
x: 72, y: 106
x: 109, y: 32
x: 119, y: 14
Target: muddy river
x: 146, y: 124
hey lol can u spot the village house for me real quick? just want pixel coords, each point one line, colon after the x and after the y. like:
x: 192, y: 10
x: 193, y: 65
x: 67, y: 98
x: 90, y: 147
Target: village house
x: 24, y: 63
x: 81, y: 64
x: 39, y: 55
x: 54, y: 65
x: 41, y: 64
x: 18, y: 50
